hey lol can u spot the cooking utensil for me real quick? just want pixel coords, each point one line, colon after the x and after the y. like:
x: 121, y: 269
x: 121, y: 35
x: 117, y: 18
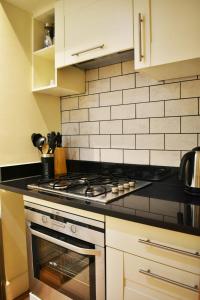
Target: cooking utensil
x: 35, y: 137
x: 40, y: 142
x: 52, y: 138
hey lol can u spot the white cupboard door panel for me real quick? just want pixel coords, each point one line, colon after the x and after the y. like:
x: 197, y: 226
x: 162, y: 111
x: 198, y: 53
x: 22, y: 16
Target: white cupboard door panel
x: 125, y: 235
x: 59, y: 34
x: 96, y: 28
x: 133, y: 265
x: 175, y: 30
x: 114, y: 274
x: 142, y: 33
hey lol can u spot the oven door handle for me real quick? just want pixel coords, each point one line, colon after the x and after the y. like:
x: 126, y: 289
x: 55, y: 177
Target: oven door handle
x: 69, y: 246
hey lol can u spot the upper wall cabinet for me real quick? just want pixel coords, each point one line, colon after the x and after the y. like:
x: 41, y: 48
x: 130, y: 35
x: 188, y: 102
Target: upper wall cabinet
x: 93, y: 28
x: 46, y: 78
x: 166, y: 37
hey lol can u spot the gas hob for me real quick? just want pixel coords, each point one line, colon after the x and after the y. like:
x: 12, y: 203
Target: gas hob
x: 89, y: 187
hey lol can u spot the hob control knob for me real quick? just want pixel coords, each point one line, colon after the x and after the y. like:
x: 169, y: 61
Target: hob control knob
x: 126, y: 186
x: 120, y: 187
x: 115, y: 190
x: 44, y: 219
x: 73, y: 228
x: 132, y: 183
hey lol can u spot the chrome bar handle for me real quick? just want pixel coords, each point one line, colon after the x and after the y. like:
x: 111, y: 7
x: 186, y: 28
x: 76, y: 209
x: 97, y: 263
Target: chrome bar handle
x: 183, y: 252
x: 87, y: 50
x: 63, y: 244
x: 185, y: 286
x: 140, y: 21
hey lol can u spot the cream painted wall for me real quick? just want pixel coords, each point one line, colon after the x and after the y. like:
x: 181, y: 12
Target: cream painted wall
x: 21, y: 111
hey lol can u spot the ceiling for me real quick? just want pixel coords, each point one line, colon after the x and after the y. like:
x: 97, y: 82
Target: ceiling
x: 32, y: 6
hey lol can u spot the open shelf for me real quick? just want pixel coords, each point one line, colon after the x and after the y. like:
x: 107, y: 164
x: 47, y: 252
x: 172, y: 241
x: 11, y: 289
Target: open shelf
x: 45, y: 77
x: 46, y: 53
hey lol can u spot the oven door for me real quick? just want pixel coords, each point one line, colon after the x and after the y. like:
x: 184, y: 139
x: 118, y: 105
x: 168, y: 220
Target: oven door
x: 62, y: 267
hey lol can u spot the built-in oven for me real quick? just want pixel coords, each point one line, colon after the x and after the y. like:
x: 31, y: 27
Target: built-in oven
x: 66, y: 255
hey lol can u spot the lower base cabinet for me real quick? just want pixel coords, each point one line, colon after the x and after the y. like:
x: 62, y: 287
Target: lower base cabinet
x: 131, y: 277
x: 150, y: 263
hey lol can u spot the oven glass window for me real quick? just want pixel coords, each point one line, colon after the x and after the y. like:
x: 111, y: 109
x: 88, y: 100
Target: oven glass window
x: 70, y: 273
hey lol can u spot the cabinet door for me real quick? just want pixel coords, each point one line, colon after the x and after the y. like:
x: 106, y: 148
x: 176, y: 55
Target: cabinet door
x: 142, y: 33
x: 59, y: 34
x: 95, y: 28
x: 175, y: 31
x: 114, y: 274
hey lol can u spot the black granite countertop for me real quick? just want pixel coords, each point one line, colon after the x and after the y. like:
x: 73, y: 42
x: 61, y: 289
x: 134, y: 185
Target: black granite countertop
x: 163, y: 204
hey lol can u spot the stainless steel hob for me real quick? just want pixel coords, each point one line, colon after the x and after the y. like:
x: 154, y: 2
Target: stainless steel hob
x: 90, y: 187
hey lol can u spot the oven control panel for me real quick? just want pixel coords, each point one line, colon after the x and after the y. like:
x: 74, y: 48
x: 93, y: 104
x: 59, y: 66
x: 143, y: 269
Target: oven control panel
x: 69, y: 224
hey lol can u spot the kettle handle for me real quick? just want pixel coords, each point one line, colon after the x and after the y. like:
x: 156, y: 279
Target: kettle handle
x: 184, y: 159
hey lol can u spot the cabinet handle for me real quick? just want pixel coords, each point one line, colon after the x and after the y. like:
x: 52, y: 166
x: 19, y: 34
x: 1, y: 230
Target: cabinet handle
x: 149, y: 243
x: 185, y: 286
x: 140, y: 21
x: 87, y: 50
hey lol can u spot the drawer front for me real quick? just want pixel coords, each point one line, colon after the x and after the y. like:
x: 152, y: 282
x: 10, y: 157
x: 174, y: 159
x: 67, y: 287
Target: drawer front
x: 164, y: 279
x: 161, y: 245
x: 136, y: 291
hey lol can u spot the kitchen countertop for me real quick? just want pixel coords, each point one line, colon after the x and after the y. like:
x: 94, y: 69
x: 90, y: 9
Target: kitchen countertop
x: 162, y: 204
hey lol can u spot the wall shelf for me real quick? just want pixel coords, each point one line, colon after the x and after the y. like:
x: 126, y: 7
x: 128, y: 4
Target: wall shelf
x: 46, y: 78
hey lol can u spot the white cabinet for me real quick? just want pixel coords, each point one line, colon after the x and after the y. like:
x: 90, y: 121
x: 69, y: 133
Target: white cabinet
x: 145, y: 262
x: 46, y: 78
x: 166, y: 37
x: 94, y: 28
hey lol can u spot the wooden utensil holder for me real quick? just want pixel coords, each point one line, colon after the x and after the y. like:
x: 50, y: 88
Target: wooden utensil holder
x: 60, y: 167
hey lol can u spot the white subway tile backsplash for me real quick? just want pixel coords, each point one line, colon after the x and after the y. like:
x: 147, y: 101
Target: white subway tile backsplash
x: 66, y: 141
x: 150, y: 141
x: 89, y: 154
x: 180, y: 141
x: 89, y: 128
x: 136, y: 126
x: 123, y: 111
x: 100, y: 113
x: 165, y: 92
x: 79, y: 115
x: 165, y: 125
x: 136, y: 95
x: 123, y: 141
x: 99, y: 86
x: 190, y: 124
x: 91, y: 74
x: 69, y: 103
x: 181, y: 107
x: 112, y: 155
x: 144, y: 80
x: 111, y: 127
x: 72, y: 153
x: 89, y: 101
x: 110, y: 71
x: 152, y: 109
x: 79, y: 141
x: 70, y: 128
x: 99, y: 141
x: 190, y: 89
x: 129, y: 117
x: 111, y: 98
x: 128, y: 67
x: 165, y: 158
x: 65, y: 116
x: 123, y: 82
x: 136, y: 157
